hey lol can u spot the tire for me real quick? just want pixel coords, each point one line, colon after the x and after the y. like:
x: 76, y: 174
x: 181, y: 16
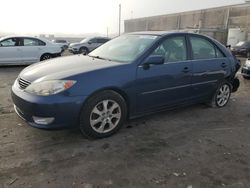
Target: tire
x: 96, y: 122
x: 83, y: 50
x: 45, y: 57
x: 222, y: 95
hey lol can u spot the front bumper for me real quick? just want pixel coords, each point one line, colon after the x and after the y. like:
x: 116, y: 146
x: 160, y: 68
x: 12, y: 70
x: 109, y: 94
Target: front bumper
x: 73, y: 50
x: 65, y: 110
x: 245, y: 71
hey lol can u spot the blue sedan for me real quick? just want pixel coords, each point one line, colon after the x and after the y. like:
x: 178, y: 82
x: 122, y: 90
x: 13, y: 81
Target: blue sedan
x: 129, y: 76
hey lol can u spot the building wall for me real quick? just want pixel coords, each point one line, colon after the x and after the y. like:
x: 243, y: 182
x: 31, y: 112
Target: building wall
x: 216, y: 20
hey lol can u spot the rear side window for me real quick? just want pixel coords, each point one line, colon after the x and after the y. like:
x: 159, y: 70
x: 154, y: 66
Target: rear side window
x: 93, y: 40
x: 32, y: 42
x: 102, y: 40
x: 202, y: 48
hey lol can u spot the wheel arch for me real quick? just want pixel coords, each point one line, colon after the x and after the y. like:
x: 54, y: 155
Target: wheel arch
x: 121, y: 92
x: 45, y: 54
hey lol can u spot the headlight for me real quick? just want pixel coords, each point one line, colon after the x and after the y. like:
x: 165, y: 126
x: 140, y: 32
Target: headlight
x: 50, y: 87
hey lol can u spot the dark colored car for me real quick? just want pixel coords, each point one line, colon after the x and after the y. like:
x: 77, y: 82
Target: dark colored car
x: 245, y: 70
x: 242, y: 49
x: 127, y: 77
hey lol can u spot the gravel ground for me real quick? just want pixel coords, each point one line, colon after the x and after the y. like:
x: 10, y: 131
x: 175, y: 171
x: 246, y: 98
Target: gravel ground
x: 193, y: 147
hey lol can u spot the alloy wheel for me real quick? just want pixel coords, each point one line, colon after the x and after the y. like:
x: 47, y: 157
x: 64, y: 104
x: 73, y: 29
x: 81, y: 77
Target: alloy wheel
x: 223, y: 95
x: 105, y: 116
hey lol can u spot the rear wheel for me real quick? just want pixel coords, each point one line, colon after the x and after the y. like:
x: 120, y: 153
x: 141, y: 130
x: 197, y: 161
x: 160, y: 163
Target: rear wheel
x: 45, y: 57
x: 221, y: 96
x: 103, y: 114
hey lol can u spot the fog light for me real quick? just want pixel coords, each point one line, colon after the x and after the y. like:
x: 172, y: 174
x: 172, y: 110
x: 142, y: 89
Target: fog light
x: 43, y: 120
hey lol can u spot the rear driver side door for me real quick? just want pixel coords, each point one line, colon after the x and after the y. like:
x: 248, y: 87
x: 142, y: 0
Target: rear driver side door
x: 166, y: 84
x: 210, y: 66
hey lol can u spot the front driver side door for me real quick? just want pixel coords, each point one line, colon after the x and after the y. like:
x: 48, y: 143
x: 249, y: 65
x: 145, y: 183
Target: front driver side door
x: 93, y: 44
x: 167, y: 84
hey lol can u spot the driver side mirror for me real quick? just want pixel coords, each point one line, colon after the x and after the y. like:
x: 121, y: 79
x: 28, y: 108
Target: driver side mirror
x: 89, y: 42
x: 153, y: 60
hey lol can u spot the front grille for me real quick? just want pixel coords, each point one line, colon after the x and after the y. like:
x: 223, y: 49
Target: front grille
x: 23, y: 83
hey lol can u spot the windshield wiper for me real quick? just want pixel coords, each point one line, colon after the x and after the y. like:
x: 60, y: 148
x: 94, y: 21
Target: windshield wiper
x: 98, y: 57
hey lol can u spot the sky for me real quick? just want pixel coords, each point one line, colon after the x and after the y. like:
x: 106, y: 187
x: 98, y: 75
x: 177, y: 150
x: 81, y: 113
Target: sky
x: 87, y: 16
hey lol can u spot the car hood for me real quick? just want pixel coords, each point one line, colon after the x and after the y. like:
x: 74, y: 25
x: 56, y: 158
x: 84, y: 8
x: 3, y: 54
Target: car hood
x: 64, y: 67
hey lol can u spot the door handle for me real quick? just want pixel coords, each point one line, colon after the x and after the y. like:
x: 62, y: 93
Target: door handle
x: 223, y: 65
x: 185, y: 70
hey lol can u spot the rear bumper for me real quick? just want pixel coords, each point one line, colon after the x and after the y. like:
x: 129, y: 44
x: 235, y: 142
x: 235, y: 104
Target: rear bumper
x: 63, y: 109
x: 73, y: 50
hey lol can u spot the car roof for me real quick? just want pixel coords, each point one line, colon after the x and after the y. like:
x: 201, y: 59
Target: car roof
x: 18, y: 36
x: 163, y: 33
x: 158, y: 33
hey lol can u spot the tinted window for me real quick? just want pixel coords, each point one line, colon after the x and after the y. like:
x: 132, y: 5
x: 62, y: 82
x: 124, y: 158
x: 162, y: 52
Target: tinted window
x: 102, y: 40
x: 219, y: 54
x: 173, y: 49
x: 93, y: 40
x: 202, y: 48
x: 10, y: 42
x: 60, y: 41
x: 32, y: 42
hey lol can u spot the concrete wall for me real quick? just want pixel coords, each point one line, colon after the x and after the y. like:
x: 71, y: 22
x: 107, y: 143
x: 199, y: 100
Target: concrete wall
x: 216, y: 20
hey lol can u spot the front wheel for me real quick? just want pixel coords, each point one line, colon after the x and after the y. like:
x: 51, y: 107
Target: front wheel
x: 83, y: 50
x: 103, y: 114
x: 221, y: 96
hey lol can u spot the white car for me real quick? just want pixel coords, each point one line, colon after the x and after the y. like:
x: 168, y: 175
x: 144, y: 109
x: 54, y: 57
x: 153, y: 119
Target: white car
x: 63, y: 43
x: 19, y: 50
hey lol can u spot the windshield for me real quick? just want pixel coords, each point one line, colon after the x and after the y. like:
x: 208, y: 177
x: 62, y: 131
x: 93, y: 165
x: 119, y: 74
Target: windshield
x: 125, y: 48
x: 85, y: 40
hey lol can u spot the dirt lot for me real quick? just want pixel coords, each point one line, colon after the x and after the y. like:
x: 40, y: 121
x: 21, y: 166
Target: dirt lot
x: 194, y: 147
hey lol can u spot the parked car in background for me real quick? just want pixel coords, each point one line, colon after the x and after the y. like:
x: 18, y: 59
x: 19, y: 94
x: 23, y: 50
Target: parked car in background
x: 245, y: 70
x: 26, y: 50
x: 87, y: 45
x: 63, y: 43
x: 129, y: 76
x: 242, y: 49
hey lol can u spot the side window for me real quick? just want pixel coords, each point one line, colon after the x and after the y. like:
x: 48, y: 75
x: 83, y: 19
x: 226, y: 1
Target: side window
x: 41, y: 43
x: 202, y: 49
x: 173, y: 49
x: 32, y: 42
x: 101, y: 40
x: 219, y: 54
x: 10, y: 42
x: 93, y: 40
